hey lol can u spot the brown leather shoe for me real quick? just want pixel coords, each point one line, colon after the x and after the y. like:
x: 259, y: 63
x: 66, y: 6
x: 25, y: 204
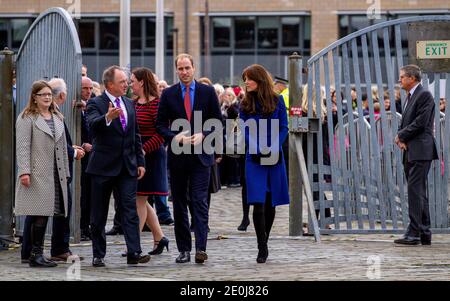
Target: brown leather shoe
x: 200, y: 256
x: 138, y: 259
x: 65, y: 256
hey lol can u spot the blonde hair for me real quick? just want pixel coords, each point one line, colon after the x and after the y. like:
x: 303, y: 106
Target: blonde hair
x: 305, y: 101
x: 96, y: 88
x: 205, y: 81
x: 374, y: 90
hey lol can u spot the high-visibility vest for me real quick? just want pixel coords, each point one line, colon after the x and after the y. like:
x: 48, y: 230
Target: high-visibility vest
x: 285, y: 94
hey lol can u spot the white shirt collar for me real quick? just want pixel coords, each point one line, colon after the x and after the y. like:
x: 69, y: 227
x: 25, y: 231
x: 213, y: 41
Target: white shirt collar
x: 413, y: 89
x: 112, y: 97
x: 122, y: 104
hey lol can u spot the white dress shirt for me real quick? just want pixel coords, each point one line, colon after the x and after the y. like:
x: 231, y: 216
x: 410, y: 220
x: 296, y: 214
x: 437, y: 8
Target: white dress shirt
x: 122, y: 105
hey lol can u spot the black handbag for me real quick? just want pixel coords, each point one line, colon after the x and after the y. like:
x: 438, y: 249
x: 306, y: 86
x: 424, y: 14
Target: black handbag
x: 214, y: 182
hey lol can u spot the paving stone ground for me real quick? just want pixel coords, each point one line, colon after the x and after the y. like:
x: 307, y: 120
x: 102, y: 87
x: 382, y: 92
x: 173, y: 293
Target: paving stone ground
x: 232, y: 255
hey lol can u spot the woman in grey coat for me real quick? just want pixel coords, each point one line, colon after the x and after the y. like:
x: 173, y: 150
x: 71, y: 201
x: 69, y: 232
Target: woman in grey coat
x: 43, y: 166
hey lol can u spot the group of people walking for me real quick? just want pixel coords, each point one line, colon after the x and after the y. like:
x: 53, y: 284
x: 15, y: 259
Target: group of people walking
x: 133, y: 147
x: 128, y: 155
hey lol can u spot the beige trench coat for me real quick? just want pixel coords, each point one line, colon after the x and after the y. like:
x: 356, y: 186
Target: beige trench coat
x: 35, y: 150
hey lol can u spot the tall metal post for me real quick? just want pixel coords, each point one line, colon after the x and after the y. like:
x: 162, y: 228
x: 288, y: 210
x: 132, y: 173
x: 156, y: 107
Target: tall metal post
x: 175, y: 49
x: 186, y: 26
x: 7, y: 151
x: 207, y: 59
x: 125, y: 32
x: 160, y: 47
x: 295, y: 182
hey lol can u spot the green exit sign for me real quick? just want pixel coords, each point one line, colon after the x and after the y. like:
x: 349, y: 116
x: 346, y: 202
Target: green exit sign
x: 433, y: 49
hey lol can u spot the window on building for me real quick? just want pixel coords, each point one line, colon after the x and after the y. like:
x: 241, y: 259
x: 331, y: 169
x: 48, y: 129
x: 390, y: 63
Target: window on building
x: 238, y: 41
x: 352, y: 23
x: 244, y: 32
x: 109, y: 33
x: 3, y: 34
x: 99, y: 39
x: 268, y: 32
x: 221, y: 32
x: 168, y: 26
x: 19, y: 28
x: 136, y: 33
x: 86, y: 33
x: 290, y: 28
x: 150, y: 33
x: 307, y: 35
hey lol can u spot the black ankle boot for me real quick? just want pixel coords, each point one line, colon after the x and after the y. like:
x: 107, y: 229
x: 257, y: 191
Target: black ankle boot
x: 263, y: 253
x: 37, y: 258
x: 244, y: 224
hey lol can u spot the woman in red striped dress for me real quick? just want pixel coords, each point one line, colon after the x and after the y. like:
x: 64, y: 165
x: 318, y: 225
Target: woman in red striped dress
x: 155, y: 180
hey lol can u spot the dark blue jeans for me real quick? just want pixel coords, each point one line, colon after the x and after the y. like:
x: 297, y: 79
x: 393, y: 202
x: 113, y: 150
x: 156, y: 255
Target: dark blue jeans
x: 161, y: 206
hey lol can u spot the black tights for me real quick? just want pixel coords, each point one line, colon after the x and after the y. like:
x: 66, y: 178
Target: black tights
x: 263, y: 217
x: 39, y: 221
x: 245, y: 205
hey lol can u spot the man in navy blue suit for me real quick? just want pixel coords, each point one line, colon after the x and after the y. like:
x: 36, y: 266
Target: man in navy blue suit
x: 85, y: 196
x: 189, y: 172
x: 116, y: 162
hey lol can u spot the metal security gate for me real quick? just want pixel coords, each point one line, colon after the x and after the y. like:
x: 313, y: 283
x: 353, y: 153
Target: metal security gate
x: 359, y: 177
x: 51, y: 48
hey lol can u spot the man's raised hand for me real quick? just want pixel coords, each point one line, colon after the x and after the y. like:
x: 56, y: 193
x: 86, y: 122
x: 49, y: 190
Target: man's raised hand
x: 113, y: 112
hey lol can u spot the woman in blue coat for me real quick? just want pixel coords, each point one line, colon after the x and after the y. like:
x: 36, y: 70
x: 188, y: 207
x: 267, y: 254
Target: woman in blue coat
x: 264, y: 121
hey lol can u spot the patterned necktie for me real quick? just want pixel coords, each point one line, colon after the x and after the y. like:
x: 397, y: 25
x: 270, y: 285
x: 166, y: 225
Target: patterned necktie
x: 122, y: 116
x: 408, y: 98
x: 187, y: 103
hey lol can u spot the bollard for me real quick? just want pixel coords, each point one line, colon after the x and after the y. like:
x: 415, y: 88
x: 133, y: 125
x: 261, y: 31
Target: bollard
x: 295, y: 180
x: 6, y: 145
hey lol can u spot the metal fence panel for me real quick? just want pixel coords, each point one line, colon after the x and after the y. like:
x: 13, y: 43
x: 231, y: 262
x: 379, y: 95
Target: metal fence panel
x: 367, y: 193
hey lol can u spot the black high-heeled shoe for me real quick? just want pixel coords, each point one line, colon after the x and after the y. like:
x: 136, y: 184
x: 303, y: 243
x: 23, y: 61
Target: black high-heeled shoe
x: 159, y: 246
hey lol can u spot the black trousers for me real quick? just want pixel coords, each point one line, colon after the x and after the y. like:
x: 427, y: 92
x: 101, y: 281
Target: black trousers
x: 126, y: 187
x: 419, y: 213
x: 190, y: 177
x: 117, y: 217
x: 85, y: 198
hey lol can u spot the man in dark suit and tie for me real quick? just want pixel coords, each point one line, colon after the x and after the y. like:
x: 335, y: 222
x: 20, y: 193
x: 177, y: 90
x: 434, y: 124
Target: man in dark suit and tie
x: 85, y: 197
x: 189, y: 172
x: 116, y: 162
x: 415, y: 138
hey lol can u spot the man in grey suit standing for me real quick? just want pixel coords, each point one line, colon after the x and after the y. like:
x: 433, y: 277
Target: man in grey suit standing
x: 415, y: 138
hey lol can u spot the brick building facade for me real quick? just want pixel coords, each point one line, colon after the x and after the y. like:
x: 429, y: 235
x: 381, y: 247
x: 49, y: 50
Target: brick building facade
x: 257, y: 28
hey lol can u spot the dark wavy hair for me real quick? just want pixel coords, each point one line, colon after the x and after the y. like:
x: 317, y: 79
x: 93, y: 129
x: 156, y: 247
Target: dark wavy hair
x: 264, y: 93
x: 150, y: 86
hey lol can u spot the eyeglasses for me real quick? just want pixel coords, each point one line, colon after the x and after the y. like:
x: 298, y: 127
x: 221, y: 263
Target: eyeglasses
x: 44, y: 94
